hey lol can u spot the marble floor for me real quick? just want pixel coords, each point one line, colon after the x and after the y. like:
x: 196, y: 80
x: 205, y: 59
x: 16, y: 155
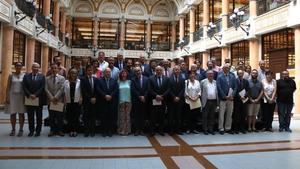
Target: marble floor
x: 189, y: 151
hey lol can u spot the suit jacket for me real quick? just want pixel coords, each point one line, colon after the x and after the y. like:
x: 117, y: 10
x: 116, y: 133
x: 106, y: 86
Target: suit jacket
x: 113, y: 89
x: 117, y: 64
x: 223, y: 86
x: 137, y: 90
x: 176, y: 88
x: 146, y: 70
x: 55, y: 90
x: 204, y: 94
x: 155, y: 90
x: 244, y: 84
x: 203, y: 75
x: 36, y: 87
x: 184, y: 74
x: 87, y: 90
x: 77, y: 94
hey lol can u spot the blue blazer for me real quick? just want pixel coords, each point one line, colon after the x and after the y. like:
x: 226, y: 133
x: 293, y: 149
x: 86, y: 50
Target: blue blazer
x: 137, y: 90
x: 223, y: 86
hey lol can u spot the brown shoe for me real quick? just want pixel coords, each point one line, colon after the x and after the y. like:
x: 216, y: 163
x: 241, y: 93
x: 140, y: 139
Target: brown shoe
x: 60, y: 134
x: 51, y: 134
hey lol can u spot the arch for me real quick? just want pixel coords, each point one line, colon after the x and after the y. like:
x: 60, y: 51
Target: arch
x: 136, y: 10
x: 164, y: 10
x: 82, y: 8
x: 108, y: 8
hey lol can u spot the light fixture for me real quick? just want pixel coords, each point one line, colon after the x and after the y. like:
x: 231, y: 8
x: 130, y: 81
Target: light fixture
x: 94, y: 50
x: 149, y: 51
x: 211, y: 32
x: 27, y: 8
x: 236, y: 18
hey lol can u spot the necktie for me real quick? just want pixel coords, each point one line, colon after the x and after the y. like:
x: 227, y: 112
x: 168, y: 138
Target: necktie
x: 166, y: 73
x: 141, y: 81
x: 160, y: 82
x: 54, y: 79
x: 91, y: 83
x: 176, y: 79
x: 33, y: 77
x: 107, y: 83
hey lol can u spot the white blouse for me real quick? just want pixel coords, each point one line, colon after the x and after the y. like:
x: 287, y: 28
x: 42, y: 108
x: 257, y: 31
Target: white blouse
x: 192, y: 89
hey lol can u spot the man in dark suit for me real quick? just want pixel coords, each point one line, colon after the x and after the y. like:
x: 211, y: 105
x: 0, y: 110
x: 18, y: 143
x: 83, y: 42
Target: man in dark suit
x: 240, y: 108
x: 209, y: 67
x: 89, y: 99
x: 120, y: 63
x: 34, y: 85
x: 145, y: 67
x: 139, y: 90
x: 108, y: 90
x: 176, y: 97
x: 158, y: 91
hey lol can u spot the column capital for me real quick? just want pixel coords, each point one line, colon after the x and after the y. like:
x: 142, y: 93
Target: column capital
x: 174, y: 23
x: 122, y: 19
x: 149, y: 21
x: 181, y: 16
x: 192, y: 7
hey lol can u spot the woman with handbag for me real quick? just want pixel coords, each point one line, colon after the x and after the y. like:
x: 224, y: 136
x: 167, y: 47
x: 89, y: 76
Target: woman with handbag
x: 192, y: 98
x: 15, y: 99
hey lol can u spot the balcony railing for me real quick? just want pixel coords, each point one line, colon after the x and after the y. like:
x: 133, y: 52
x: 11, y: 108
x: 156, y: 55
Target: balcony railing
x: 60, y: 36
x: 84, y: 43
x: 161, y: 46
x: 218, y: 24
x: 264, y: 6
x: 198, y: 34
x: 26, y: 7
x: 41, y: 19
x: 134, y: 45
x: 108, y: 44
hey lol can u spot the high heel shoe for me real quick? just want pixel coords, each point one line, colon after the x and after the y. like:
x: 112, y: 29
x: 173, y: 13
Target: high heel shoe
x: 20, y: 134
x: 12, y: 133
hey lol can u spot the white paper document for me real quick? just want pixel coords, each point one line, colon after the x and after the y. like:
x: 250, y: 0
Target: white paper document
x: 57, y: 107
x: 230, y: 92
x: 242, y: 93
x: 156, y: 103
x: 195, y: 104
x: 31, y: 102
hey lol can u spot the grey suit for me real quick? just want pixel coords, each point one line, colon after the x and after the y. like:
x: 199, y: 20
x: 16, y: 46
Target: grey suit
x: 54, y: 89
x: 209, y: 105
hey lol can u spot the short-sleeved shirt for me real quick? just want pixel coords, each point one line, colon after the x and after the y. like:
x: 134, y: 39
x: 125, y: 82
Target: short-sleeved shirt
x: 255, y: 88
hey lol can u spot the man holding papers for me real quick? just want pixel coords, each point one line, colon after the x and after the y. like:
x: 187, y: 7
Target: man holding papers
x: 158, y: 92
x: 226, y: 84
x: 54, y: 90
x: 34, y: 86
x: 240, y: 106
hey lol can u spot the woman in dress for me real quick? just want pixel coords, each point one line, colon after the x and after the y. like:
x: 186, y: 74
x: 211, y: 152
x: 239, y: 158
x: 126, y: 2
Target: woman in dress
x: 73, y: 101
x: 124, y: 124
x: 15, y: 99
x: 269, y: 87
x: 97, y: 73
x: 192, y: 95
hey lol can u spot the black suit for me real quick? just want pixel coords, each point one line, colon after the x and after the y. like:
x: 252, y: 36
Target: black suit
x: 240, y: 109
x: 138, y: 89
x: 109, y: 114
x: 158, y: 111
x: 146, y: 70
x: 90, y: 110
x: 35, y: 86
x: 175, y: 108
x: 120, y: 64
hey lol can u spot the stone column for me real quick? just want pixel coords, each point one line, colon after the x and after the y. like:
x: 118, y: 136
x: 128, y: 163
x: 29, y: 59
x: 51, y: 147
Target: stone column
x: 205, y: 22
x: 62, y: 56
x: 192, y: 23
x: 6, y: 60
x: 253, y: 43
x: 225, y: 11
x: 297, y: 69
x: 63, y: 25
x: 46, y: 7
x: 181, y: 27
x: 95, y: 32
x: 225, y: 55
x: 56, y: 17
x: 45, y: 57
x: 122, y: 32
x: 173, y: 37
x: 68, y: 62
x: 148, y: 33
x: 30, y: 53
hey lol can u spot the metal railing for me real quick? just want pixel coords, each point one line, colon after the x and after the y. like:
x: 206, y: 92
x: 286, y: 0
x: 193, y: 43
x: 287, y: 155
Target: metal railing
x: 84, y: 43
x: 41, y: 19
x: 108, y: 44
x: 161, y: 46
x: 218, y: 24
x: 134, y: 45
x: 198, y: 34
x: 264, y: 6
x: 245, y: 16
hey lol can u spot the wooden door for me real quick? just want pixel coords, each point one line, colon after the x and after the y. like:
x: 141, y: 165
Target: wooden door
x: 278, y: 60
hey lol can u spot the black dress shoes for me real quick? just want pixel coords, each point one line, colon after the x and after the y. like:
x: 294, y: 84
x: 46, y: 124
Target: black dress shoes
x: 37, y: 134
x: 30, y: 134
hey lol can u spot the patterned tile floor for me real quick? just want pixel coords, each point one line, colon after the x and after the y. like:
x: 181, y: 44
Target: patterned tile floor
x: 251, y: 151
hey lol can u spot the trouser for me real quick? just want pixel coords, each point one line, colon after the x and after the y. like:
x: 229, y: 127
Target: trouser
x: 157, y: 117
x: 225, y: 115
x: 192, y: 118
x: 37, y: 111
x: 208, y: 115
x: 175, y: 116
x: 56, y: 121
x: 268, y: 113
x: 108, y: 117
x: 239, y: 115
x: 89, y: 118
x: 139, y: 112
x: 73, y: 112
x: 285, y: 114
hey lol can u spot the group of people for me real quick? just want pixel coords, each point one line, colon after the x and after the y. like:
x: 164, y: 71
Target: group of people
x: 126, y: 97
